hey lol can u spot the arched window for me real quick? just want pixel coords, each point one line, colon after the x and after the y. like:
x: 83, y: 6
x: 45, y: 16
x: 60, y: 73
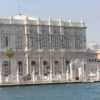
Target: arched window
x: 45, y: 63
x: 33, y: 63
x: 57, y: 67
x: 6, y: 70
x: 20, y: 67
x: 46, y: 69
x: 67, y: 62
x: 56, y: 62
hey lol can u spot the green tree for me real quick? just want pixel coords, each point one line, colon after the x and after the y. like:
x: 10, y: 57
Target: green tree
x: 9, y: 53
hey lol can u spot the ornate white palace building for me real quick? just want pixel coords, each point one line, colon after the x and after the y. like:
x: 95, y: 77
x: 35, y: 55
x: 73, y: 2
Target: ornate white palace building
x: 44, y: 51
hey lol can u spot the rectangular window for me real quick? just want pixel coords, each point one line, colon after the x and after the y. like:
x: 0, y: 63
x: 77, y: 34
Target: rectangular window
x: 44, y: 29
x: 18, y: 40
x: 32, y: 29
x: 6, y: 68
x: 6, y: 41
x: 55, y: 29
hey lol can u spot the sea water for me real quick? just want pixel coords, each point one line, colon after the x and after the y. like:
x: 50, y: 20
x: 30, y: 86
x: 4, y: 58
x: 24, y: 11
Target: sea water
x: 52, y: 92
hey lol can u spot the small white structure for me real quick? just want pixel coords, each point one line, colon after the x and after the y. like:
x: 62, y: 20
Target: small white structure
x: 92, y: 77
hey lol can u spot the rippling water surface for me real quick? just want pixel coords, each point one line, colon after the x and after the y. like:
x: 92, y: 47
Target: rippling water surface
x: 52, y: 92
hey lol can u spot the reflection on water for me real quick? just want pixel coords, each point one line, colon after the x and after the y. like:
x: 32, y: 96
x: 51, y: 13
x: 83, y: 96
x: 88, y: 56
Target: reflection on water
x: 52, y: 92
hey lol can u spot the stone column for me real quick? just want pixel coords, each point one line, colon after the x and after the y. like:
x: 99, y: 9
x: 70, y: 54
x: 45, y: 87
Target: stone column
x: 80, y: 73
x: 98, y: 73
x: 39, y: 57
x: 67, y: 75
x: 71, y: 71
x: 62, y: 63
x: 61, y: 25
x: 51, y: 50
x: 33, y: 74
x: 39, y: 50
x: 26, y: 47
x: 42, y: 69
x: 51, y: 66
x: 1, y: 73
x: 84, y: 71
x: 17, y: 76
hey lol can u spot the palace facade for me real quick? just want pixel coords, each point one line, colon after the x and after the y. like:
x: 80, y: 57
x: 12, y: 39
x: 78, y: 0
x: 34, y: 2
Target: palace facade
x: 43, y: 50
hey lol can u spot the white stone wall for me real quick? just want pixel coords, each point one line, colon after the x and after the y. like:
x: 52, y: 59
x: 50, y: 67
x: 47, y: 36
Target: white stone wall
x: 39, y: 42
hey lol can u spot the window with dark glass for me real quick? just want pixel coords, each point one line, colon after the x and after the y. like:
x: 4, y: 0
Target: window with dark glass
x: 45, y: 63
x: 20, y: 68
x: 6, y: 41
x: 6, y: 69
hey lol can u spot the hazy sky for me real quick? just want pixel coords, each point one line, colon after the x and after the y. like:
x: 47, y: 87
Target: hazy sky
x: 89, y: 10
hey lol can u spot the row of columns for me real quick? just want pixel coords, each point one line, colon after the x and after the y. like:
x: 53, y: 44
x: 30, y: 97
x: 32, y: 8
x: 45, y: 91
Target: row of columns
x: 74, y: 73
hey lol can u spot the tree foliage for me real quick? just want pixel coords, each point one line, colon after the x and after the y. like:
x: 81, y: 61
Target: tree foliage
x: 9, y: 53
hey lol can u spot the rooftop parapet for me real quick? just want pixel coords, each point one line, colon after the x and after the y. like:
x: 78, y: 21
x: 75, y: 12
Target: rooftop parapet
x: 33, y: 21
